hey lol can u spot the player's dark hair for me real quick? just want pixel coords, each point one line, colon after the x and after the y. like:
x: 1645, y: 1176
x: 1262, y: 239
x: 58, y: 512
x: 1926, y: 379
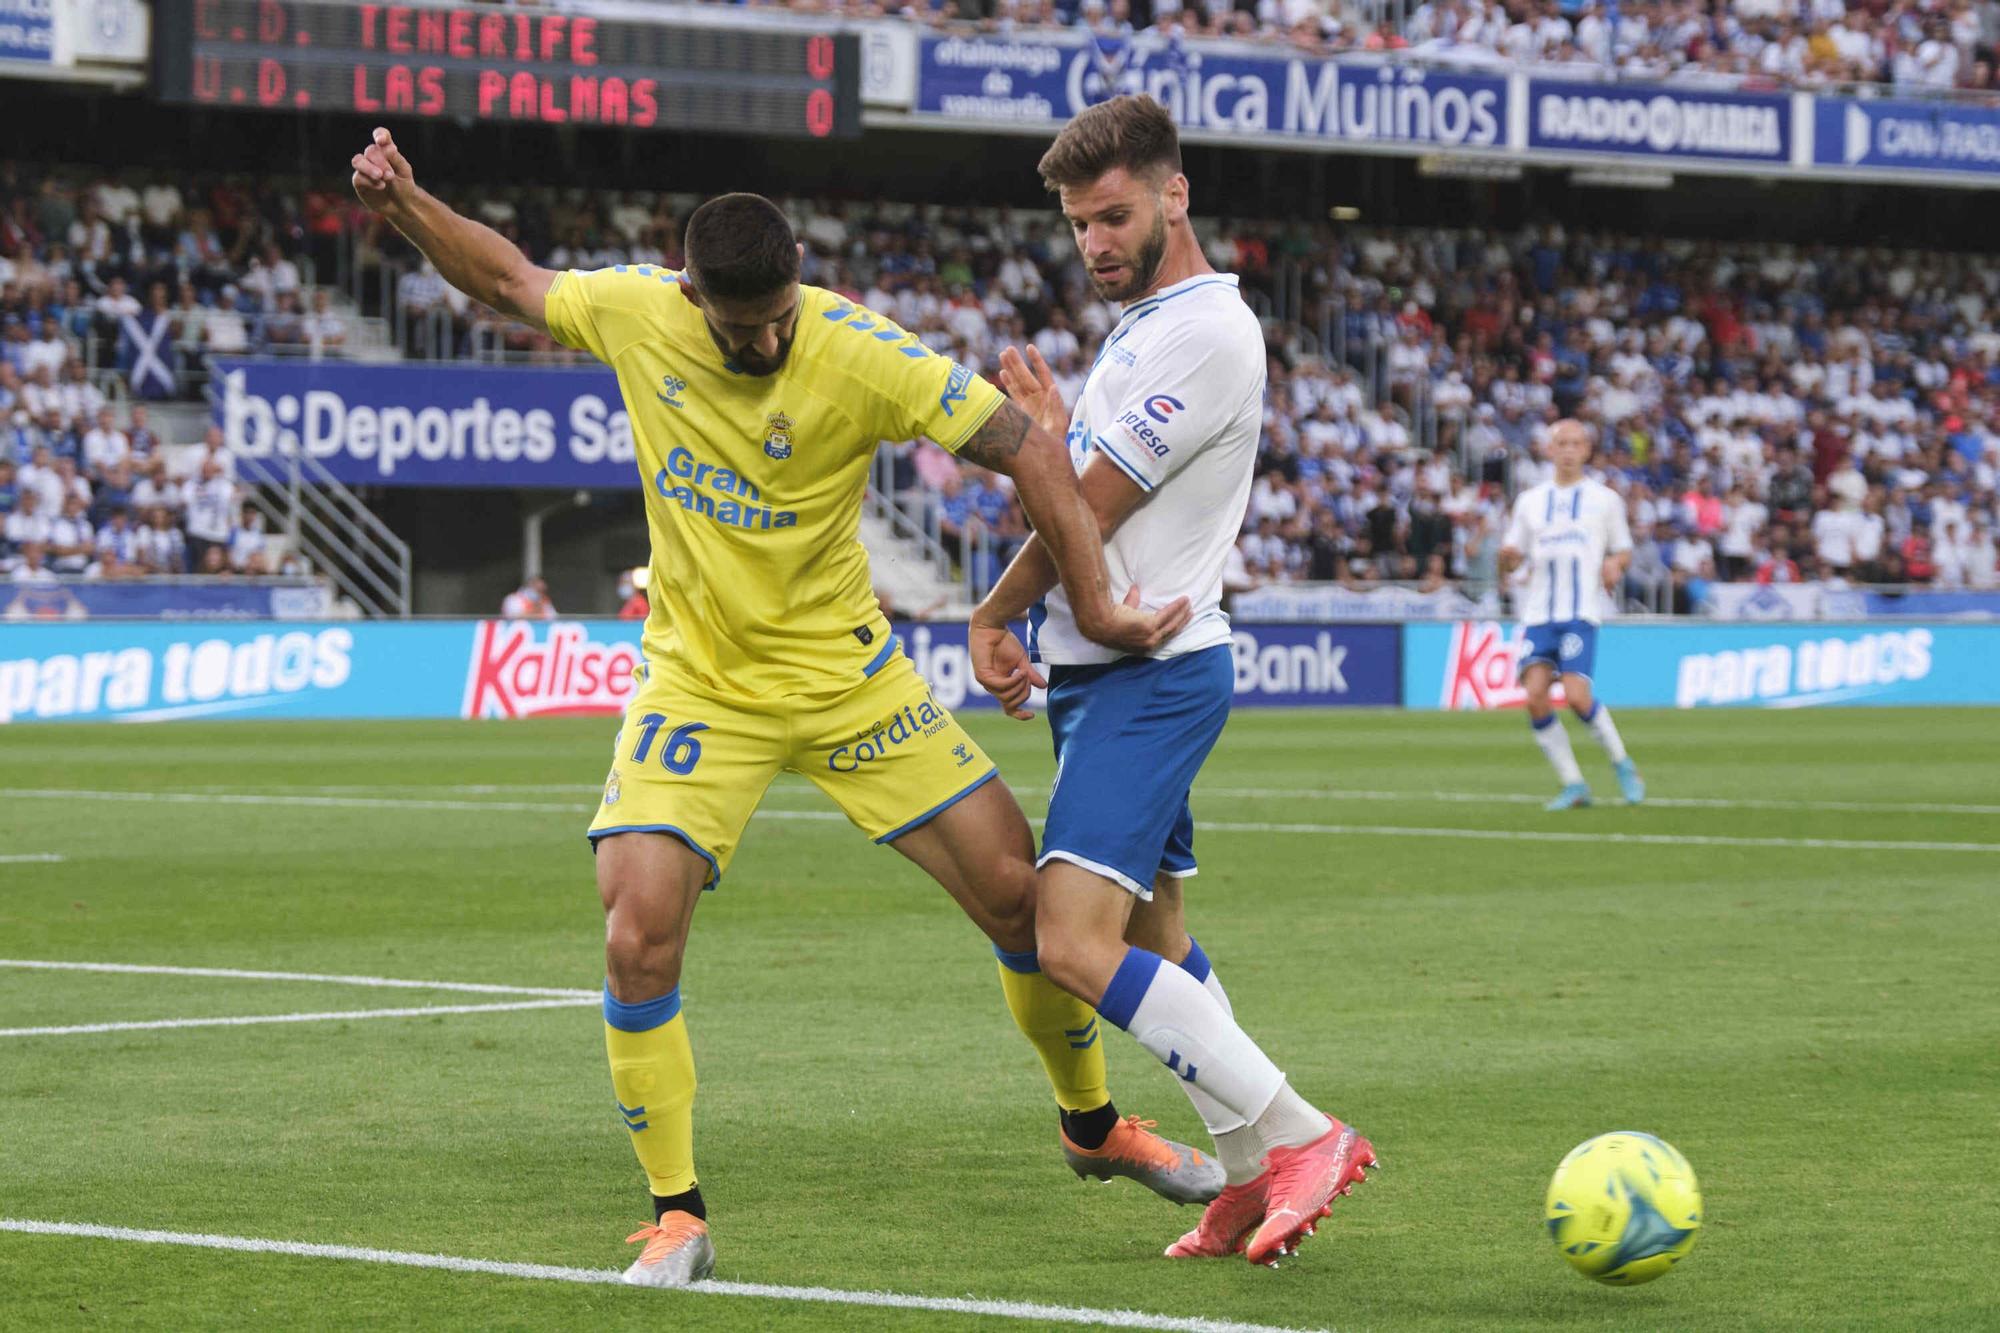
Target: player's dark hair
x: 740, y: 247
x: 1134, y: 132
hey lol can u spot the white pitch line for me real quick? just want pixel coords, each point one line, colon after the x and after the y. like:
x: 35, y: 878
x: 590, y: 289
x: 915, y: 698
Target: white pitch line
x: 1341, y: 830
x: 267, y: 798
x: 1638, y: 839
x: 1025, y: 1310
x: 333, y: 979
x: 33, y: 859
x: 252, y: 1020
x: 1667, y: 802
x: 453, y: 788
x: 1237, y: 793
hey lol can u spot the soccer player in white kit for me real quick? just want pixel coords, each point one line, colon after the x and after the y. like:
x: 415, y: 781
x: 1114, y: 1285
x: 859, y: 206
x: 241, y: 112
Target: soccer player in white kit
x: 1165, y: 437
x: 1572, y: 535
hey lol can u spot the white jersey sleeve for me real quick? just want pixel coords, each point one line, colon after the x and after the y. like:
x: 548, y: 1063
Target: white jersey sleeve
x: 1618, y: 532
x: 1189, y: 404
x: 1520, y: 535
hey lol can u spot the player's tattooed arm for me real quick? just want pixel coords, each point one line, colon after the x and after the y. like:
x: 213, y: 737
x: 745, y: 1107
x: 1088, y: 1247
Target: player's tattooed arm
x: 1068, y: 535
x: 1111, y: 496
x: 996, y: 444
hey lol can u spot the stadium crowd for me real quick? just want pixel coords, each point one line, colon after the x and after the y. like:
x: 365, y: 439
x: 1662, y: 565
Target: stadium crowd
x: 82, y: 493
x: 1771, y: 412
x: 1915, y: 45
x: 131, y: 284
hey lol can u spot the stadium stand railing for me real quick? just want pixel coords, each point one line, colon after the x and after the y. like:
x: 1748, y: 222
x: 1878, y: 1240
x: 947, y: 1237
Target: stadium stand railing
x: 334, y: 529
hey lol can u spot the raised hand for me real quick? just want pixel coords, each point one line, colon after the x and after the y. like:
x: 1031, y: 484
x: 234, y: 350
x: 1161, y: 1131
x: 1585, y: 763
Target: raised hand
x: 383, y: 180
x: 1030, y: 383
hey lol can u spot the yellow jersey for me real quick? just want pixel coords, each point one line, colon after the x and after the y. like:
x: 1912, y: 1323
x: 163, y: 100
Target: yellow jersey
x: 753, y: 484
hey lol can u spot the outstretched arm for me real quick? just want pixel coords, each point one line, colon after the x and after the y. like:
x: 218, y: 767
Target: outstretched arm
x: 469, y: 255
x: 1011, y: 443
x: 1067, y: 531
x: 1110, y: 495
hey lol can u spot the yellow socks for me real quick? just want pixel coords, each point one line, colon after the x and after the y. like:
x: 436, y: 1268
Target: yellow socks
x: 1062, y: 1028
x: 652, y: 1073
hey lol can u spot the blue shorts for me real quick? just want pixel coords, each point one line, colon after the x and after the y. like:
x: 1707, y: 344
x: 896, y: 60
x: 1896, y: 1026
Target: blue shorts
x: 1130, y: 736
x: 1570, y: 646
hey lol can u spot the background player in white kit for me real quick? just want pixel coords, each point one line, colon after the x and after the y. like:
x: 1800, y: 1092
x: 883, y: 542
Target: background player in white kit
x: 1165, y: 436
x: 1572, y: 533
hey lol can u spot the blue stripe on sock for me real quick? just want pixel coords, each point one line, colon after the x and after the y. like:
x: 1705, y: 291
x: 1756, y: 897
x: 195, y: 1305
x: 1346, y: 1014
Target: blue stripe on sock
x: 1196, y: 963
x: 1591, y: 716
x: 1024, y: 961
x: 1129, y: 986
x: 643, y: 1016
x: 1542, y: 723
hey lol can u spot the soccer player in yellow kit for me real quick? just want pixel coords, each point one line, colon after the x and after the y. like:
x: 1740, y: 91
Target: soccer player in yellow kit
x: 756, y: 405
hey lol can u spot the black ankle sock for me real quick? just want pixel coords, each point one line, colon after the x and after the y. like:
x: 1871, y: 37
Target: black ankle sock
x: 1089, y: 1129
x: 686, y: 1202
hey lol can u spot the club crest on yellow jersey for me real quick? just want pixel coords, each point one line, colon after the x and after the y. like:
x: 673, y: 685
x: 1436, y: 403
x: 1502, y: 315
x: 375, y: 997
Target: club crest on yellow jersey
x: 778, y: 436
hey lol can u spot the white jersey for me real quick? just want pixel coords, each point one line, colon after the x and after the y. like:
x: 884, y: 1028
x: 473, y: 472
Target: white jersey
x: 1563, y: 534
x: 1175, y: 400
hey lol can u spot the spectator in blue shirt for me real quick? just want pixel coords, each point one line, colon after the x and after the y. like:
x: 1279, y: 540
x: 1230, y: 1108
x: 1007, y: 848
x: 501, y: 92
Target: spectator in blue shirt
x: 113, y: 493
x: 1572, y: 372
x: 73, y: 311
x: 988, y: 500
x: 955, y: 514
x: 61, y: 440
x: 14, y: 349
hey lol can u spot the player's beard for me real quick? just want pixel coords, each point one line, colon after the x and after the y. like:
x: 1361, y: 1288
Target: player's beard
x: 751, y: 361
x: 1141, y: 267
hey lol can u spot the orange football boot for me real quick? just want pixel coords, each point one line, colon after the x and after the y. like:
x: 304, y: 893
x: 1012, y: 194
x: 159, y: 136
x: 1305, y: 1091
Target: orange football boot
x: 1171, y: 1170
x: 677, y: 1252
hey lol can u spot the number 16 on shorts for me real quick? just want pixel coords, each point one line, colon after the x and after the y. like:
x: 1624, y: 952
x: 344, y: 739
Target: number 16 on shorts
x: 679, y: 752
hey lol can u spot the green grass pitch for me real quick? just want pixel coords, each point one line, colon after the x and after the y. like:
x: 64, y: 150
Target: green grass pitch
x: 1814, y: 1021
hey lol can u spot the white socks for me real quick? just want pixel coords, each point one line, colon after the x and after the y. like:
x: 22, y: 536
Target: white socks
x: 1241, y: 1153
x: 1290, y: 1121
x: 1237, y: 1145
x: 1177, y: 1019
x: 1549, y: 734
x: 1598, y: 719
x: 1219, y: 1118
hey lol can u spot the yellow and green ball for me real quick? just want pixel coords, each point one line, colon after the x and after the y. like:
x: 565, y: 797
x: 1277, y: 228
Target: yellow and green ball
x: 1623, y: 1208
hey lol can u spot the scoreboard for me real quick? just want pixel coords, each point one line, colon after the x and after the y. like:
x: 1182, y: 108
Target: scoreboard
x: 517, y: 65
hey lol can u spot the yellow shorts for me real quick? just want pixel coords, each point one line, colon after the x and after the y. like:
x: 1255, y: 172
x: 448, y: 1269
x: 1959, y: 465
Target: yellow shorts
x: 695, y: 765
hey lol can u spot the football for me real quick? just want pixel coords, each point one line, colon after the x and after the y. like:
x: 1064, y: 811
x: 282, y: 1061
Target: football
x: 1623, y: 1208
